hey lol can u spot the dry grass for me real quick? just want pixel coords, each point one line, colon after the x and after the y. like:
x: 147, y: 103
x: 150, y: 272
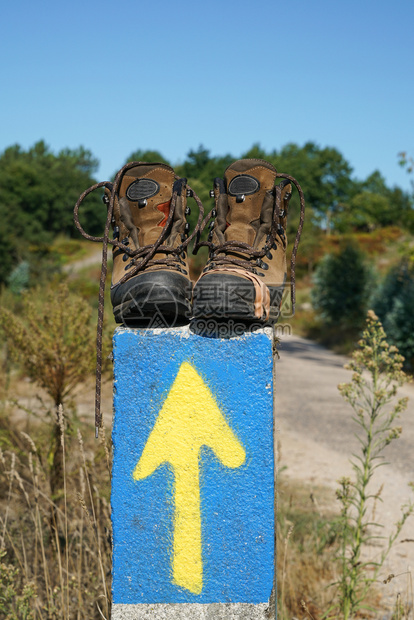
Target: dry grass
x: 307, y: 542
x: 58, y: 554
x: 57, y: 562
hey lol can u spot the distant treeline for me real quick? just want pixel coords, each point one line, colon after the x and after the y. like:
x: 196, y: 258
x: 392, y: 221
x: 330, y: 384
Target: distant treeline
x: 38, y: 190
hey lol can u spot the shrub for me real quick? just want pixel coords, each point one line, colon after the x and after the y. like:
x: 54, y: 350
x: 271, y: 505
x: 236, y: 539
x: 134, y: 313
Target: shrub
x: 394, y: 302
x: 19, y: 278
x: 341, y: 290
x: 55, y: 346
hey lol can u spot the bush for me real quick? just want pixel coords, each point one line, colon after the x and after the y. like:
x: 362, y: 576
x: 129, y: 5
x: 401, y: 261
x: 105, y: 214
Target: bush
x: 394, y: 302
x: 19, y: 278
x: 55, y: 346
x: 341, y: 292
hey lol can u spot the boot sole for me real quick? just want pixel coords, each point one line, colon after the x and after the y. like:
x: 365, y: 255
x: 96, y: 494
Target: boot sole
x: 224, y: 296
x: 154, y: 299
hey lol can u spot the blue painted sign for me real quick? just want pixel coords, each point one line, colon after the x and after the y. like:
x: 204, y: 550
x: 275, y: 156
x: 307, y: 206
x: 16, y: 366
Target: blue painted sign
x: 193, y: 471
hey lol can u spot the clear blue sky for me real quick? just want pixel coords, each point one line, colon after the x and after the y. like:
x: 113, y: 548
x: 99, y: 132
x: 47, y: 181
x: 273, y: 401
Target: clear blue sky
x: 118, y: 76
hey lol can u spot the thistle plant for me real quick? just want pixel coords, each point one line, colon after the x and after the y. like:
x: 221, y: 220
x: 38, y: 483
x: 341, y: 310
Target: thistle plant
x: 372, y: 394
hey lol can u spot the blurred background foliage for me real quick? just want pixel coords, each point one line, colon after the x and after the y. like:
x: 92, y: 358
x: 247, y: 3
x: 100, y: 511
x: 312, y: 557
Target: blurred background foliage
x: 356, y: 249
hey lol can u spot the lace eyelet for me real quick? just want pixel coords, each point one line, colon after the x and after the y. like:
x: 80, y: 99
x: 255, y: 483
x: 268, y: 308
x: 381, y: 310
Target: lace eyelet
x: 131, y: 264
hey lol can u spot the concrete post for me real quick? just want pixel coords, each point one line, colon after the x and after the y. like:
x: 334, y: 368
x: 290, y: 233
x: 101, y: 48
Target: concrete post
x: 193, y: 488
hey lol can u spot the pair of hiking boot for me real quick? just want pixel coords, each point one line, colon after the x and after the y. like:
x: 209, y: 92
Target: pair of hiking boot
x: 245, y: 274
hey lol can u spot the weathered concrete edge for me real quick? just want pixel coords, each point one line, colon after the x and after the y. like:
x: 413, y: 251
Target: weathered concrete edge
x: 185, y: 331
x: 195, y: 611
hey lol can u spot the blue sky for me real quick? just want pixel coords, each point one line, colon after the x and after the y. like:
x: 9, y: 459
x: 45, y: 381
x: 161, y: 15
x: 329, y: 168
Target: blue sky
x: 118, y: 76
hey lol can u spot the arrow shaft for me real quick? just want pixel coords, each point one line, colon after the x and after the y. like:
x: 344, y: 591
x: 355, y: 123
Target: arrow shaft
x: 187, y: 559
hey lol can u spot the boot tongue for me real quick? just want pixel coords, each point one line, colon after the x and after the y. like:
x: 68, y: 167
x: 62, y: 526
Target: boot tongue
x: 148, y: 190
x: 247, y: 182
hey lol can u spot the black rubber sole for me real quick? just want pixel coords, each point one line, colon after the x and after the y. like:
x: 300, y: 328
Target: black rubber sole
x: 224, y: 296
x: 153, y: 299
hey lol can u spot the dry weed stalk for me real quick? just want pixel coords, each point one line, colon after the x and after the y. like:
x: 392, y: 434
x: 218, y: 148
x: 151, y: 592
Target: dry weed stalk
x: 285, y: 550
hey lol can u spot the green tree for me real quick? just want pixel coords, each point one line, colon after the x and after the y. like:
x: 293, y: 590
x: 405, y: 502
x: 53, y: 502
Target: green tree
x: 325, y: 175
x: 341, y: 291
x: 38, y: 190
x: 375, y: 205
x: 148, y: 156
x: 200, y: 168
x: 394, y: 302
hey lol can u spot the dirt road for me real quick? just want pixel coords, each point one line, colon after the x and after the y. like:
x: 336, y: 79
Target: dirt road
x: 317, y: 436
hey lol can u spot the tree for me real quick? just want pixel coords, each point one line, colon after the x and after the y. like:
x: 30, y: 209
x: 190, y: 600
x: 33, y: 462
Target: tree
x: 375, y: 205
x: 394, y: 302
x: 38, y: 191
x: 325, y: 175
x: 342, y: 289
x: 148, y: 156
x: 200, y: 168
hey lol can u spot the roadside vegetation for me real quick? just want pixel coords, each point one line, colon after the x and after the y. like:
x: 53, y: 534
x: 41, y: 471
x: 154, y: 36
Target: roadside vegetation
x: 356, y: 253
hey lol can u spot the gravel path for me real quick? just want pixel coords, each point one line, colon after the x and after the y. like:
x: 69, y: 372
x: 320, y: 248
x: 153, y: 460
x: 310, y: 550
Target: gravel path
x: 88, y: 261
x: 317, y: 437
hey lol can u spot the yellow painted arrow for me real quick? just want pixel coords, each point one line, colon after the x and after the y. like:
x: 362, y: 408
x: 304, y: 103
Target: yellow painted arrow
x: 188, y: 420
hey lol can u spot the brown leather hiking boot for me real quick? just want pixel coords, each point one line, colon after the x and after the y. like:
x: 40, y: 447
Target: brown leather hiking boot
x: 246, y: 271
x: 150, y: 278
x: 148, y: 209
